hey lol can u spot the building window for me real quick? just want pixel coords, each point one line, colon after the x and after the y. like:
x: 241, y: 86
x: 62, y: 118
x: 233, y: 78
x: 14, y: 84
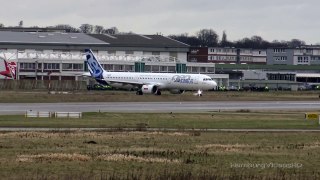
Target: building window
x: 309, y: 51
x: 210, y: 69
x: 304, y: 59
x: 118, y: 67
x: 315, y: 58
x: 27, y: 66
x: 171, y: 69
x: 163, y: 68
x: 72, y: 67
x: 67, y: 67
x: 51, y: 66
x: 193, y: 59
x: 155, y: 68
x: 129, y: 68
x: 280, y: 58
x: 281, y: 50
x: 78, y: 67
x: 147, y: 68
x: 108, y: 67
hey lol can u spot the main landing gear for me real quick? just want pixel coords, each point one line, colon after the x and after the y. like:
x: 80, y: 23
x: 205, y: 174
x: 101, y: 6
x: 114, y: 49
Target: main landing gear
x: 158, y: 92
x: 139, y: 92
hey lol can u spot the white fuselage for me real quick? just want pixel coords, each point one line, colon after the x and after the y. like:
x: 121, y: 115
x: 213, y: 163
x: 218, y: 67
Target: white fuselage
x: 166, y: 81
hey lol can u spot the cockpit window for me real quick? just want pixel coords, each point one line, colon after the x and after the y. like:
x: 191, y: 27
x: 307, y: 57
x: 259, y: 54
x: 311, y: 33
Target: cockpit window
x: 207, y: 79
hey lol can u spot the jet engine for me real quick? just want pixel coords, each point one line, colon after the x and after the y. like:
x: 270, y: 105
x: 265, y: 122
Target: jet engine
x: 149, y: 89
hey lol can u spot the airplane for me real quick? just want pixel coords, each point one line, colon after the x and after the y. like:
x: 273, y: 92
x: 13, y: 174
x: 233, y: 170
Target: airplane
x: 10, y: 69
x: 148, y: 83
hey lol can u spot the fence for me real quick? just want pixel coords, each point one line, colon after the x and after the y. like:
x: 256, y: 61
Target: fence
x: 68, y: 114
x: 39, y: 114
x: 30, y: 114
x: 55, y: 85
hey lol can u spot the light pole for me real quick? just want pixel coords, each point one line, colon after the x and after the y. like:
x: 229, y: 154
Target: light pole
x: 49, y: 84
x: 36, y: 74
x: 36, y: 70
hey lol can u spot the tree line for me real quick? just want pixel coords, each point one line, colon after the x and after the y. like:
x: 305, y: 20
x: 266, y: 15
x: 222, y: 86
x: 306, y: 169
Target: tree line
x: 209, y: 38
x: 87, y: 28
x: 84, y: 28
x: 202, y: 38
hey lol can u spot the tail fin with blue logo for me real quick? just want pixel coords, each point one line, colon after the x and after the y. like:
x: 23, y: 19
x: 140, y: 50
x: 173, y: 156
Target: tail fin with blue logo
x: 94, y: 66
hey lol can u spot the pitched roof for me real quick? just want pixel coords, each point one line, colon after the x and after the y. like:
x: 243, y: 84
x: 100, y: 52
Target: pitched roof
x: 136, y: 40
x: 48, y: 38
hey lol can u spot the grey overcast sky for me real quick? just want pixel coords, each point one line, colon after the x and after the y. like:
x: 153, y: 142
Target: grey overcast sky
x: 270, y: 19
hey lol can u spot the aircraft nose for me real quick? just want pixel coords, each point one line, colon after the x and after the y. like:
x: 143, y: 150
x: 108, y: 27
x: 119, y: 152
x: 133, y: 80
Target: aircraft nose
x: 214, y: 84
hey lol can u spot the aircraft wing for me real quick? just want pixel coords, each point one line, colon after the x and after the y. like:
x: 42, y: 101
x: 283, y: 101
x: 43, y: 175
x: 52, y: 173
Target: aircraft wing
x: 139, y: 84
x: 86, y: 74
x: 125, y: 82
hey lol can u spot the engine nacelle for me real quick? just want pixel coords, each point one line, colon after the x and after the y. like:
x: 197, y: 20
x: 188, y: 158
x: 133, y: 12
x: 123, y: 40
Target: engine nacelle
x: 149, y: 89
x: 176, y: 91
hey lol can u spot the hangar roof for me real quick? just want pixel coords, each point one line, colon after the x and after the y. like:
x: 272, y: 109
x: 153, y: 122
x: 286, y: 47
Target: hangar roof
x: 48, y: 38
x: 136, y: 40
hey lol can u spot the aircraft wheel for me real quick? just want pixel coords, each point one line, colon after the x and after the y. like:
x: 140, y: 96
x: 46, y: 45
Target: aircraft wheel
x: 139, y: 93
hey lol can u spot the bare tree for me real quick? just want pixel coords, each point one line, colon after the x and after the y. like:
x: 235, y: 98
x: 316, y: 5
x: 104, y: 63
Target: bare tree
x: 21, y: 23
x: 208, y: 37
x: 255, y: 42
x: 1, y: 25
x: 112, y: 30
x: 86, y: 28
x: 98, y: 29
x: 296, y: 43
x: 224, y: 41
x: 67, y: 27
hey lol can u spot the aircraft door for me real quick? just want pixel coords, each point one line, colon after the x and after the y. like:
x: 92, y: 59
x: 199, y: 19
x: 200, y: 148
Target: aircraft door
x: 196, y: 81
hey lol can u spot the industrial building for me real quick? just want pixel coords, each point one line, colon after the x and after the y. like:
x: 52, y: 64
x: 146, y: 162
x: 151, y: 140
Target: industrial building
x: 227, y: 55
x: 304, y: 55
x: 59, y: 55
x: 277, y: 68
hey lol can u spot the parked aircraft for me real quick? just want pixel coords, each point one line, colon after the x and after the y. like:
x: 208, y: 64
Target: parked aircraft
x: 10, y: 69
x: 149, y: 83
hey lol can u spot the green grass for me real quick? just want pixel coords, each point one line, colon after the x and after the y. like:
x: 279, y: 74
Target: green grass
x: 129, y: 96
x: 161, y: 155
x: 214, y: 120
x: 157, y: 155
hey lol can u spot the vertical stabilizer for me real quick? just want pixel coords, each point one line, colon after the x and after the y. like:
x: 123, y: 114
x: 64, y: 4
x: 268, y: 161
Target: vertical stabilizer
x: 94, y: 66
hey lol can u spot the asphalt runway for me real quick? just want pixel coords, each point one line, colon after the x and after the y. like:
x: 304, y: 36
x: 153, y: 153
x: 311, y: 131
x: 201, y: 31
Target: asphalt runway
x: 21, y: 108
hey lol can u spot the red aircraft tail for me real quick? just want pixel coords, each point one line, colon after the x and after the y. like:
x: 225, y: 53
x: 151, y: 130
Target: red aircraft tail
x: 10, y: 69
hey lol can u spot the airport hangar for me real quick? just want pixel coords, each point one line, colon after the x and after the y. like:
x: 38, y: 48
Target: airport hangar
x: 60, y: 55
